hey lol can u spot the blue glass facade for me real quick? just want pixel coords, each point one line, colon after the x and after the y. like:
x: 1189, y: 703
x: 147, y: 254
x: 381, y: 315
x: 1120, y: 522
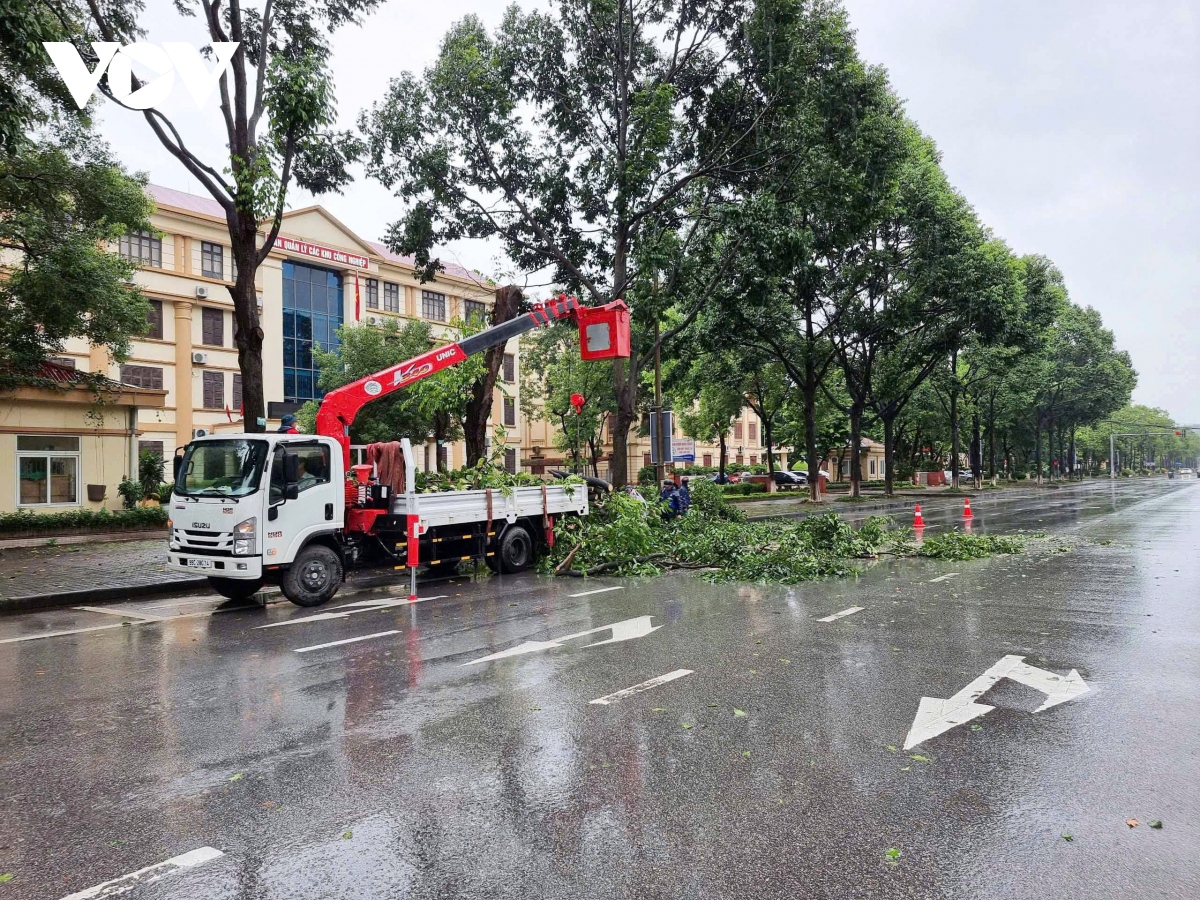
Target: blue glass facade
x: 312, y: 312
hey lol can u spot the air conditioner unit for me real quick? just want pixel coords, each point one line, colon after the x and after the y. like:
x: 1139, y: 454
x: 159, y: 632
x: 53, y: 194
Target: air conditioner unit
x: 374, y: 320
x: 200, y: 432
x: 131, y: 280
x: 202, y: 291
x: 199, y: 358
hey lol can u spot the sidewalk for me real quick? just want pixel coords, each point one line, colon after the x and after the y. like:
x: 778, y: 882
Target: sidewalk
x: 42, y: 577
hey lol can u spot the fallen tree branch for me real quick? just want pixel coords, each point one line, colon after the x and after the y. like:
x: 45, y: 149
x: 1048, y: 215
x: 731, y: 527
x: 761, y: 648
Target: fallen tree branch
x: 565, y: 565
x: 608, y: 566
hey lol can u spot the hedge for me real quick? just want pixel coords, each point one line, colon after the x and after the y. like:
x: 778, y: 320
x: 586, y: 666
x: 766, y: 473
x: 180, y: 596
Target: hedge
x: 744, y: 489
x: 147, y: 517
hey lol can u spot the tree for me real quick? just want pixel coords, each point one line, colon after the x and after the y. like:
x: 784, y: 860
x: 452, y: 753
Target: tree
x: 578, y: 138
x: 362, y: 351
x: 277, y: 108
x: 63, y: 200
x: 509, y: 302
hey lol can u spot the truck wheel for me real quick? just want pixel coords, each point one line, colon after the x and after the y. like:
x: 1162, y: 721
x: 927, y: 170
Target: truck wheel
x: 314, y: 577
x: 515, y: 553
x: 236, y: 588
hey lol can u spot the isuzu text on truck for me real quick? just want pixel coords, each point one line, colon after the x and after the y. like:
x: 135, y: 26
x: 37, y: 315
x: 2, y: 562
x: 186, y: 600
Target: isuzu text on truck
x: 248, y: 509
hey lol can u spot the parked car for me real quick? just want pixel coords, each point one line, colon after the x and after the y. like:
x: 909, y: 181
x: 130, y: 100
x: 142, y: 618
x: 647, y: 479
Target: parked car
x: 790, y: 479
x: 722, y: 479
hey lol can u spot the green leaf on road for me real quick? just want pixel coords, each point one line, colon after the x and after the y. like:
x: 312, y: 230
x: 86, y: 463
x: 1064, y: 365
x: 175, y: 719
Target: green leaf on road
x: 906, y: 768
x: 737, y: 712
x: 657, y: 709
x: 6, y: 877
x: 238, y: 777
x: 1157, y: 824
x: 919, y: 758
x: 535, y: 708
x: 746, y: 753
x: 754, y: 671
x: 976, y: 726
x: 785, y: 661
x: 893, y: 856
x: 346, y: 835
x: 687, y: 725
x: 1068, y: 838
x: 892, y: 747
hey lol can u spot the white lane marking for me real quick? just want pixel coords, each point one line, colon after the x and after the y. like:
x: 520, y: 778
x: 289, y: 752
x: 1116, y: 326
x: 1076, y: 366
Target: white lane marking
x: 845, y: 612
x: 148, y: 875
x: 942, y: 577
x: 349, y: 609
x: 626, y: 630
x: 644, y: 686
x: 353, y: 640
x: 110, y: 611
x: 597, y: 591
x: 935, y: 715
x: 50, y: 634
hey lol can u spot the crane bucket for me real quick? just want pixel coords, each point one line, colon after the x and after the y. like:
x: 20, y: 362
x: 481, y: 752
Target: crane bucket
x: 604, y: 331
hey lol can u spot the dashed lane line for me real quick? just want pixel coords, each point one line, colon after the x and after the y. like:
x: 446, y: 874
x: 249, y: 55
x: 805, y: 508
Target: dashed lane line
x: 353, y: 640
x: 644, y: 686
x: 148, y: 875
x: 845, y: 612
x: 125, y: 613
x: 942, y: 577
x: 597, y: 591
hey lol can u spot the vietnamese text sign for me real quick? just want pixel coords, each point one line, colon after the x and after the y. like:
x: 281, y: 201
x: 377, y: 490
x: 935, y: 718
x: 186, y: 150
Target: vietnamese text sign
x: 328, y: 254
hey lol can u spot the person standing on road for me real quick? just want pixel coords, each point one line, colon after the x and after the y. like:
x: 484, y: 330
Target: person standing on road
x: 287, y: 425
x: 685, y: 496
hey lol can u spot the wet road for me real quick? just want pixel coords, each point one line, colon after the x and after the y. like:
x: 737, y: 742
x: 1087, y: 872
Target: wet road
x: 369, y: 750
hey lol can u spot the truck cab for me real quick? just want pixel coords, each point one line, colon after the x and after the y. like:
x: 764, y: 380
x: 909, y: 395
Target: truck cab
x: 248, y: 508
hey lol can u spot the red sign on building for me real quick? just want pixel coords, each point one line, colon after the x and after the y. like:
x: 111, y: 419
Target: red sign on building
x: 327, y: 254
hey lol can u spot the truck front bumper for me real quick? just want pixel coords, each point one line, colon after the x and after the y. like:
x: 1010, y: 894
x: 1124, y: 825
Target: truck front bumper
x: 216, y: 566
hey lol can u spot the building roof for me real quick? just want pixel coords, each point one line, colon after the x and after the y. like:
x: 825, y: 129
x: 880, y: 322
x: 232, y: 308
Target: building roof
x: 165, y: 196
x: 449, y: 268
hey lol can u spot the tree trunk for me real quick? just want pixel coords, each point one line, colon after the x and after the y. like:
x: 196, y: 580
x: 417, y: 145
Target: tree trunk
x: 248, y: 333
x: 889, y: 442
x: 507, y: 305
x: 976, y: 451
x: 992, y: 438
x: 721, y: 460
x: 766, y: 427
x: 856, y: 415
x: 625, y: 382
x: 809, y: 389
x: 955, y: 441
x: 1037, y: 448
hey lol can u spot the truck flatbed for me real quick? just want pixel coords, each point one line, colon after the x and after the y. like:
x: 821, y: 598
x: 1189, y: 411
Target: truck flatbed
x: 463, y: 507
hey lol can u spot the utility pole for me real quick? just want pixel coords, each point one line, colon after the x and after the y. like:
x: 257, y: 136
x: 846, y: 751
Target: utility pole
x: 660, y: 468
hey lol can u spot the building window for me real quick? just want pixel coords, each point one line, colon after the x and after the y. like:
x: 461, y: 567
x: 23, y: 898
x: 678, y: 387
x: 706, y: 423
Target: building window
x: 154, y: 320
x: 391, y: 297
x: 737, y: 431
x: 67, y: 362
x: 510, y: 412
x: 312, y: 314
x: 237, y: 391
x: 212, y: 327
x: 212, y: 260
x: 142, y: 377
x: 752, y: 430
x: 142, y: 248
x: 871, y: 466
x: 443, y: 456
x: 708, y: 459
x: 214, y: 390
x: 509, y: 369
x: 433, y: 306
x: 510, y: 461
x: 47, y: 470
x: 474, y: 310
x: 372, y: 288
x: 753, y: 459
x: 646, y: 459
x: 155, y: 447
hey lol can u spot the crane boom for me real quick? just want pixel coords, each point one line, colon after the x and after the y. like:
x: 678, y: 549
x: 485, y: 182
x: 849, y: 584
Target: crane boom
x: 340, y: 406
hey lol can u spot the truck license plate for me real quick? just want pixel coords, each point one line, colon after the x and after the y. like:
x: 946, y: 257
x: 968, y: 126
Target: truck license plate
x: 199, y: 563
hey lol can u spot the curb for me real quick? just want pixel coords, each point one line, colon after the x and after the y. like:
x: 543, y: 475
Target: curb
x: 98, y: 595
x: 99, y: 537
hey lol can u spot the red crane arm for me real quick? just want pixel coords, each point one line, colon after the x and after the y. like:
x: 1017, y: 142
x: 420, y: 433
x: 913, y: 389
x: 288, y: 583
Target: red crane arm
x: 340, y: 406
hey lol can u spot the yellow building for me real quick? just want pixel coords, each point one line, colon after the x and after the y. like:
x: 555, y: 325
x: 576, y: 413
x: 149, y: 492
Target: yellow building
x: 318, y: 276
x: 743, y: 447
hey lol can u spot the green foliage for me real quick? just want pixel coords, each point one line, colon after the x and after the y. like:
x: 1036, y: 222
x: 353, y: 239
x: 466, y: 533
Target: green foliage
x: 151, y: 469
x: 957, y: 545
x: 131, y: 492
x: 147, y: 517
x: 743, y: 489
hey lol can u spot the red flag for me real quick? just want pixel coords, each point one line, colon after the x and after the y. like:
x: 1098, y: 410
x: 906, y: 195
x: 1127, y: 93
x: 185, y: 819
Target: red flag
x: 357, y: 302
x: 228, y: 414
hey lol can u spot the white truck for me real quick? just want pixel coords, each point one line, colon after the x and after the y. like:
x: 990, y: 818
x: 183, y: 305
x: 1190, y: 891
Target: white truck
x: 250, y: 509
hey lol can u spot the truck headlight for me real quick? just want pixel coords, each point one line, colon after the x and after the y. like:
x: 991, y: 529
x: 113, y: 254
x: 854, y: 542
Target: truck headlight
x: 244, y: 537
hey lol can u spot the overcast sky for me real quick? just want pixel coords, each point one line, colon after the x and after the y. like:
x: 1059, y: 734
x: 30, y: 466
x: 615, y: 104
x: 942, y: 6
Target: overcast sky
x: 1073, y: 127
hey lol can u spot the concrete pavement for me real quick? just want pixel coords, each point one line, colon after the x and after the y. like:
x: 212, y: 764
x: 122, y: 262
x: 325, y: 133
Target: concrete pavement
x: 453, y: 748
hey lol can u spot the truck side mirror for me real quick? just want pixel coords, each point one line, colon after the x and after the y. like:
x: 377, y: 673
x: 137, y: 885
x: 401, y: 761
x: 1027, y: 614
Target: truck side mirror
x: 176, y: 465
x: 291, y: 476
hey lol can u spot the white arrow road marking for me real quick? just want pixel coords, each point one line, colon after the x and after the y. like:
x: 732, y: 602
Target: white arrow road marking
x: 597, y: 591
x: 349, y: 609
x: 353, y: 640
x: 935, y: 715
x: 644, y: 686
x: 128, y: 614
x: 942, y: 577
x: 845, y: 612
x: 148, y: 875
x: 625, y: 630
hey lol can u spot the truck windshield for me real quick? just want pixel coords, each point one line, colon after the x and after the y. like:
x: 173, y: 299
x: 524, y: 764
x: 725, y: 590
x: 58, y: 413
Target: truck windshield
x: 230, y: 468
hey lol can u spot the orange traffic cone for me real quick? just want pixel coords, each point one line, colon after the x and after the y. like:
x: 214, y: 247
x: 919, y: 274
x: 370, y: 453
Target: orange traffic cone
x: 918, y: 521
x: 967, y: 514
